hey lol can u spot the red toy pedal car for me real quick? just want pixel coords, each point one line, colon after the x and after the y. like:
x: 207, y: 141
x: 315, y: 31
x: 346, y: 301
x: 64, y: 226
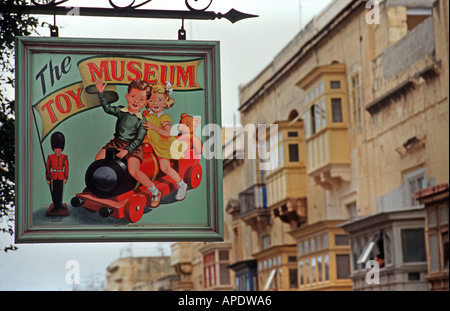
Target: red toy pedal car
x: 111, y: 191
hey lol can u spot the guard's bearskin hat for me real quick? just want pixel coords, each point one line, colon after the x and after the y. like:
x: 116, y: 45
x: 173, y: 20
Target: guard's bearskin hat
x: 57, y: 140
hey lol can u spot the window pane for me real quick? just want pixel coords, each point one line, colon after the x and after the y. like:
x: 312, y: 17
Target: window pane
x: 301, y: 274
x: 318, y: 117
x: 325, y: 267
x: 343, y: 266
x: 224, y: 274
x: 387, y: 248
x: 292, y: 134
x: 293, y: 278
x: 445, y: 250
x: 341, y: 239
x: 313, y: 270
x: 325, y: 241
x: 281, y: 155
x: 300, y: 248
x: 355, y: 253
x: 313, y: 118
x: 413, y: 245
x: 213, y: 276
x: 323, y: 113
x: 319, y: 268
x: 336, y: 109
x: 335, y: 84
x: 223, y: 255
x: 319, y: 243
x: 308, y: 125
x: 432, y: 218
x: 307, y: 271
x: 321, y: 87
x: 293, y: 153
x: 443, y: 215
x: 313, y: 245
x: 306, y: 248
x: 434, y: 252
x: 265, y: 241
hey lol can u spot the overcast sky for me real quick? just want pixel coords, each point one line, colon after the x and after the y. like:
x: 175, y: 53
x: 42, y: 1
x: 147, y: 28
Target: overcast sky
x: 246, y: 48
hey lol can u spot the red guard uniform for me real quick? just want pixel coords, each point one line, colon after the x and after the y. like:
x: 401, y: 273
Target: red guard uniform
x: 57, y: 172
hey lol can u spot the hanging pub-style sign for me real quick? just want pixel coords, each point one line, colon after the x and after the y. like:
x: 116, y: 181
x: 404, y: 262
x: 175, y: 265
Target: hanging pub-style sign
x: 116, y: 140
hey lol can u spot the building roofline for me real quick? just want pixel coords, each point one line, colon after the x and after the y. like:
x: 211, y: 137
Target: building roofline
x: 309, y: 37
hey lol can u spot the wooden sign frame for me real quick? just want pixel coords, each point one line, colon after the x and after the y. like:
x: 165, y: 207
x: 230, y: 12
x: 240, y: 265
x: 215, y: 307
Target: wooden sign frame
x: 57, y: 99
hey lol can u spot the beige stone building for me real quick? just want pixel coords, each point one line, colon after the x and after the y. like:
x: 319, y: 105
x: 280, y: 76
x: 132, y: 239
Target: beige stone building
x: 360, y: 100
x: 141, y: 273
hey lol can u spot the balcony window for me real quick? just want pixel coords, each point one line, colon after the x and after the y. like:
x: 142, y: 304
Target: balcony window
x: 434, y: 252
x: 265, y: 241
x: 307, y: 271
x: 215, y: 269
x: 413, y: 245
x: 336, y: 109
x: 341, y: 240
x: 445, y: 250
x: 335, y: 85
x: 323, y: 113
x: 319, y: 268
x: 209, y: 270
x: 343, y: 266
x: 356, y: 251
x: 301, y: 272
x: 372, y: 248
x: 437, y: 235
x: 318, y: 117
x: 325, y: 241
x: 307, y: 124
x: 326, y: 263
x: 313, y: 270
x: 313, y: 119
x: 293, y: 153
x: 293, y: 278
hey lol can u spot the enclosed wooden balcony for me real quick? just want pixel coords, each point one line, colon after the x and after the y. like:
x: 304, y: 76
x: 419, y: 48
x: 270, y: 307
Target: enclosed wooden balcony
x: 326, y: 121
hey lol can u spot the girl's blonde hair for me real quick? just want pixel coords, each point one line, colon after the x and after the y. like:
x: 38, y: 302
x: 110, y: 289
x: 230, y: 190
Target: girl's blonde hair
x: 160, y: 89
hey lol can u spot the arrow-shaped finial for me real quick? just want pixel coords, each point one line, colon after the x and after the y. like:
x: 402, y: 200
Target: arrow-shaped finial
x: 235, y: 16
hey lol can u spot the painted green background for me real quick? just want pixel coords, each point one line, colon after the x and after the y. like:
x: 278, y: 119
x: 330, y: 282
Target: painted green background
x: 86, y: 133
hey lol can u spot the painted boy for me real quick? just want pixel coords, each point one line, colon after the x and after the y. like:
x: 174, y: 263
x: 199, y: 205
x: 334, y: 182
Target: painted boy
x: 130, y: 132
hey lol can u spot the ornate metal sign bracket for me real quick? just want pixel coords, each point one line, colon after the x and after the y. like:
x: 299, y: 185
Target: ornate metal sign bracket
x: 197, y: 10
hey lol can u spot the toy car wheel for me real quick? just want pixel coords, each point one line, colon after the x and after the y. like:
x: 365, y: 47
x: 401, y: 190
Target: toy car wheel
x: 134, y: 208
x: 193, y: 176
x: 76, y: 202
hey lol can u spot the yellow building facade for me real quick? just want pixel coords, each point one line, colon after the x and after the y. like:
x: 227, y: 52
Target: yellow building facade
x: 361, y: 112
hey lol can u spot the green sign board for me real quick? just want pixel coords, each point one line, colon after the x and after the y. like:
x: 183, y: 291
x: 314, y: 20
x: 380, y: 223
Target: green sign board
x: 116, y: 140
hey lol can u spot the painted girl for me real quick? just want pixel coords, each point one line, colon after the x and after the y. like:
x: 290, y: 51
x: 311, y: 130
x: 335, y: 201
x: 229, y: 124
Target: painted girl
x: 159, y: 125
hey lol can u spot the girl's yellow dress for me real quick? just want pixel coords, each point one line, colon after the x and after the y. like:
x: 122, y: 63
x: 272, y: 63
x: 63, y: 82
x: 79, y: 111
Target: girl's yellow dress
x: 161, y: 145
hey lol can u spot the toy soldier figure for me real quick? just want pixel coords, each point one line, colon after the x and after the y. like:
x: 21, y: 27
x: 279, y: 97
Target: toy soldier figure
x: 56, y: 174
